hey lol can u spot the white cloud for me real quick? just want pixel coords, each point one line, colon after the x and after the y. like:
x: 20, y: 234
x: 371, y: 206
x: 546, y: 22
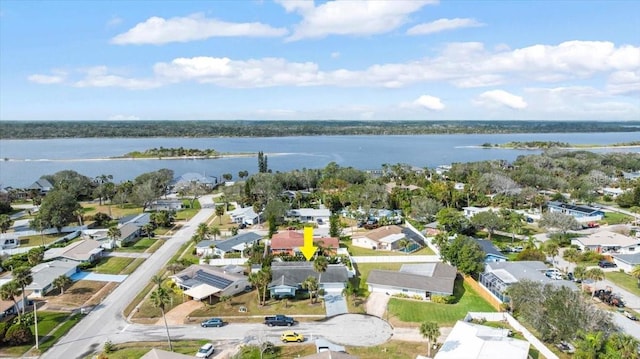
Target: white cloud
x: 344, y: 17
x: 159, y: 31
x: 101, y: 76
x: 464, y: 65
x: 624, y: 82
x: 499, y: 98
x: 114, y: 21
x: 56, y: 78
x: 443, y: 25
x: 335, y: 55
x: 427, y: 102
x: 123, y: 118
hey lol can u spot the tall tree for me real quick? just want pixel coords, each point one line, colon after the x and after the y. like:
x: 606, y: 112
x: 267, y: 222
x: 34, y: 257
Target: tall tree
x: 114, y: 233
x: 595, y: 274
x: 215, y: 232
x: 11, y: 291
x: 320, y: 265
x: 311, y: 285
x: 160, y: 298
x: 23, y: 277
x: 489, y: 220
x: 430, y: 331
x: 58, y: 209
x: 219, y: 213
x: 463, y: 253
x: 61, y: 282
x: 203, y: 231
x: 5, y: 223
x: 635, y: 273
x: 334, y: 225
x: 551, y: 249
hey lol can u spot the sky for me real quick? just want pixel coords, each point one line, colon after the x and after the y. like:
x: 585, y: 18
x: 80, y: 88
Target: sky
x: 320, y: 60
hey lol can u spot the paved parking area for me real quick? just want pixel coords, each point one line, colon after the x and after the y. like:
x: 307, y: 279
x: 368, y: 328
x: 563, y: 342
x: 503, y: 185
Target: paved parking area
x: 335, y: 304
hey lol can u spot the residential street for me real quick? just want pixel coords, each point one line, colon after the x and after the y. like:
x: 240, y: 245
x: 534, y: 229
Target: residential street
x: 106, y: 321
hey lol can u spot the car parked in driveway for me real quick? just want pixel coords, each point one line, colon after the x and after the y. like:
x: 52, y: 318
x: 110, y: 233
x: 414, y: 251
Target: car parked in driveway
x: 205, y: 351
x: 213, y: 322
x: 291, y: 336
x: 606, y: 264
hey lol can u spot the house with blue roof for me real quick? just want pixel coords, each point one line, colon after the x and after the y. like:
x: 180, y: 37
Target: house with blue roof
x: 237, y: 243
x: 492, y: 253
x: 581, y: 212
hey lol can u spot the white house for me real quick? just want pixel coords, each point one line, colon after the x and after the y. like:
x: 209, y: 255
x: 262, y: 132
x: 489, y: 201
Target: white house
x: 385, y: 238
x: 203, y: 281
x: 626, y: 262
x: 607, y: 242
x: 475, y: 341
x: 45, y: 273
x: 309, y: 215
x: 612, y: 192
x: 237, y: 243
x: 86, y: 250
x: 244, y: 215
x: 415, y: 280
x: 472, y: 210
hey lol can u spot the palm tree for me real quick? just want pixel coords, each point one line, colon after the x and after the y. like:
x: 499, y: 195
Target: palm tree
x: 11, y: 290
x: 160, y: 298
x: 311, y: 285
x: 589, y: 345
x: 148, y: 229
x: 623, y: 344
x: 350, y: 290
x: 157, y: 280
x: 320, y: 265
x: 551, y: 249
x: 635, y: 273
x: 260, y: 280
x: 430, y: 331
x: 114, y: 233
x: 175, y: 267
x: 215, y: 231
x: 571, y: 255
x: 61, y: 282
x: 580, y: 272
x: 404, y: 243
x: 203, y: 231
x: 595, y: 274
x: 23, y: 277
x: 219, y: 213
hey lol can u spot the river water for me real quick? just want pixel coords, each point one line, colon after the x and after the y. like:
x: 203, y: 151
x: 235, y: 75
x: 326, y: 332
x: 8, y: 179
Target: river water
x: 24, y: 161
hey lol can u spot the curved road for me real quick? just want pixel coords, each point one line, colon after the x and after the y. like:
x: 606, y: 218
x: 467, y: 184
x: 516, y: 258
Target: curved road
x: 106, y: 322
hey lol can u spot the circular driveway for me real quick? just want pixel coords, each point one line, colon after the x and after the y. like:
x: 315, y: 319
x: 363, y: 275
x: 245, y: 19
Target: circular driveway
x: 354, y: 329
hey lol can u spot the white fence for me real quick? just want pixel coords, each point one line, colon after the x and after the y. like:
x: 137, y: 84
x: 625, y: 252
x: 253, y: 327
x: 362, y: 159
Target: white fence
x: 225, y: 261
x: 500, y: 317
x: 395, y: 259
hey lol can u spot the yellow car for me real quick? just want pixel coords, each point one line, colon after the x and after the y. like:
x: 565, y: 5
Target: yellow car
x: 291, y: 336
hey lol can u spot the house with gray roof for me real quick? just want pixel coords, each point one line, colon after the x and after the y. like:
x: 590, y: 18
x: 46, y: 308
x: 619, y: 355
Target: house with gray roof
x: 45, y: 273
x: 498, y: 276
x: 415, y: 280
x: 492, y: 253
x: 244, y: 215
x: 190, y: 178
x: 83, y: 251
x: 626, y: 262
x: 42, y: 185
x: 204, y: 281
x: 287, y: 277
x: 128, y: 234
x: 237, y: 243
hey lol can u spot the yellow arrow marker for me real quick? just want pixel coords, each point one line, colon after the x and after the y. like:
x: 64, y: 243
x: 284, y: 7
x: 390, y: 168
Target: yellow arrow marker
x: 308, y: 249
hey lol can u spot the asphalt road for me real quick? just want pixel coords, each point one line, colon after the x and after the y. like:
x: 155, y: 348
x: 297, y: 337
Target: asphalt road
x: 105, y: 321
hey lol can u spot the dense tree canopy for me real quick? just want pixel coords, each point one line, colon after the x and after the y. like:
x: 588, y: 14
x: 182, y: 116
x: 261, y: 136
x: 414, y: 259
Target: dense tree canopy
x: 58, y: 209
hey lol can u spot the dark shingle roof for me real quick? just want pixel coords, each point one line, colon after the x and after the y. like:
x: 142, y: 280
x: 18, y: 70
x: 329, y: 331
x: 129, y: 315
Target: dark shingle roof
x: 228, y: 244
x: 294, y: 273
x: 489, y: 248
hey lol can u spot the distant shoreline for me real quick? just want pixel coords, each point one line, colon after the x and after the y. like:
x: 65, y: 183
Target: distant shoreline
x: 229, y: 155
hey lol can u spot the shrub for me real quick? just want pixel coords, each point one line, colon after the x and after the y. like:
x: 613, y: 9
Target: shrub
x: 108, y: 346
x: 18, y: 334
x: 3, y: 330
x: 27, y: 319
x: 400, y: 295
x: 440, y: 299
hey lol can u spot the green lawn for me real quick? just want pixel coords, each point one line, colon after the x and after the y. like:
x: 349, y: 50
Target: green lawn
x: 111, y: 265
x: 38, y: 240
x: 364, y: 269
x: 625, y: 281
x: 54, y: 336
x: 47, y: 321
x: 140, y: 246
x: 393, y: 349
x: 133, y: 266
x: 616, y: 218
x: 443, y: 314
x: 138, y: 349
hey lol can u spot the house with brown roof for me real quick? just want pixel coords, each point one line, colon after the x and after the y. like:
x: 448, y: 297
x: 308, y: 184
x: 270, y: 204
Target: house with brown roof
x: 289, y: 242
x: 414, y: 280
x: 385, y: 238
x: 84, y: 251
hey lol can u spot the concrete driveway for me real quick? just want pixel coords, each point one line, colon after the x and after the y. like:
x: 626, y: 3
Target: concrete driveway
x: 335, y: 303
x: 377, y: 304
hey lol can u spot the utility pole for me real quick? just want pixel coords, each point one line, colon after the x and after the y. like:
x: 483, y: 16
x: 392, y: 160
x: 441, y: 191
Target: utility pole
x: 35, y: 316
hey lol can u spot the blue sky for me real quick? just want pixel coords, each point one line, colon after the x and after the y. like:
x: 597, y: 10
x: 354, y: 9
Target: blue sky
x: 305, y: 60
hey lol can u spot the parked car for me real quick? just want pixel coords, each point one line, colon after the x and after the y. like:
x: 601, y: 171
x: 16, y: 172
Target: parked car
x: 205, y: 351
x: 630, y: 316
x: 566, y: 347
x: 291, y: 336
x: 213, y: 322
x: 606, y: 264
x: 279, y: 320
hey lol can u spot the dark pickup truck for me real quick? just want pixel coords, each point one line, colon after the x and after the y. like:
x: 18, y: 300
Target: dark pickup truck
x: 279, y: 320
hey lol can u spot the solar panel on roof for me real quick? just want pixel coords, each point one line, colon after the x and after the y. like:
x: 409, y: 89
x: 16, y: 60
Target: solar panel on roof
x: 212, y: 279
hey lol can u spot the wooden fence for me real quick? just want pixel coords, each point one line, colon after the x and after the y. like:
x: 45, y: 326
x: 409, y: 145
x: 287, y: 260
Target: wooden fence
x: 484, y: 293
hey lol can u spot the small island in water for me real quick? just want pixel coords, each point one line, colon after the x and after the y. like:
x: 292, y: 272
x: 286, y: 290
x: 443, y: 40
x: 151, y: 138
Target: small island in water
x: 543, y: 145
x: 180, y: 153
